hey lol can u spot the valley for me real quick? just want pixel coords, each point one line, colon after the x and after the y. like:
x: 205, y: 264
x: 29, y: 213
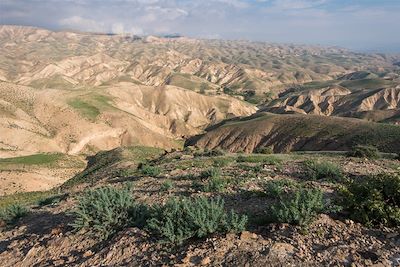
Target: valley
x: 125, y: 150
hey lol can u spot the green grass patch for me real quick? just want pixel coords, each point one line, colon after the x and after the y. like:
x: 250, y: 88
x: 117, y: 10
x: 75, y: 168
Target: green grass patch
x: 36, y: 159
x: 315, y: 170
x: 25, y: 198
x: 87, y: 110
x: 12, y: 214
x: 271, y: 160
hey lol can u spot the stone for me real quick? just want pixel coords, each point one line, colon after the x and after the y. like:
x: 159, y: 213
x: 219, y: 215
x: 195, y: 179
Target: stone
x: 206, y: 261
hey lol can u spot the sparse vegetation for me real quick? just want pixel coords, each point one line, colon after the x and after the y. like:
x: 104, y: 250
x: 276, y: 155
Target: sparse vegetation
x: 210, y: 153
x: 167, y: 185
x: 360, y: 151
x: 181, y: 219
x: 210, y: 173
x: 214, y: 184
x: 299, y: 207
x: 315, y: 170
x: 264, y: 150
x: 271, y: 160
x: 13, y: 213
x: 37, y: 159
x: 149, y: 170
x: 276, y: 188
x: 373, y: 200
x: 104, y: 211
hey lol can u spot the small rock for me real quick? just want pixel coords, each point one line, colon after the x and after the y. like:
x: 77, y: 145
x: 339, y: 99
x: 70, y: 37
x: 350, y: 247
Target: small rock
x: 246, y: 235
x: 59, y: 262
x: 282, y: 250
x: 88, y: 253
x: 206, y: 261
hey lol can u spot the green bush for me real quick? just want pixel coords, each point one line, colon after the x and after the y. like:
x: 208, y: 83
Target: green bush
x: 210, y: 173
x: 210, y: 153
x: 104, y: 211
x: 271, y: 160
x: 182, y: 219
x: 214, y: 184
x: 276, y: 188
x: 314, y: 170
x: 167, y: 185
x: 299, y: 207
x: 264, y: 150
x: 12, y: 214
x: 373, y: 200
x: 360, y: 151
x: 51, y: 200
x: 256, y: 168
x: 222, y: 162
x: 149, y: 170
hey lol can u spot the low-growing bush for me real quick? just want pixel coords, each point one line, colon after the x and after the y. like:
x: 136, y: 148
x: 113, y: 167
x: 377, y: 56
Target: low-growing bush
x: 167, y: 185
x: 214, y: 184
x: 275, y: 188
x: 12, y: 214
x: 51, y: 200
x: 264, y: 150
x: 299, y: 207
x: 222, y: 162
x: 210, y: 153
x: 361, y: 151
x: 149, y: 170
x: 373, y: 200
x: 210, y: 173
x: 271, y: 160
x: 182, y: 219
x: 104, y: 211
x: 254, y: 168
x: 314, y: 170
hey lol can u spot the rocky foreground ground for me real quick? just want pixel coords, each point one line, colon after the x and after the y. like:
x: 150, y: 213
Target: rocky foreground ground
x: 45, y: 237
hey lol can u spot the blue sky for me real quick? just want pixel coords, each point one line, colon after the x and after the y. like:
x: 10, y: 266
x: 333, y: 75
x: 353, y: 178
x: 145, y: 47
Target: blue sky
x: 363, y: 25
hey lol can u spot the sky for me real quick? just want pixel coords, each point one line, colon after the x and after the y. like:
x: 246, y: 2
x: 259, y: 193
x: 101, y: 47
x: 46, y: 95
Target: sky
x: 362, y: 25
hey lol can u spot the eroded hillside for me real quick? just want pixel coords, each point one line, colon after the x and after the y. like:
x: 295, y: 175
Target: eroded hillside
x: 292, y: 132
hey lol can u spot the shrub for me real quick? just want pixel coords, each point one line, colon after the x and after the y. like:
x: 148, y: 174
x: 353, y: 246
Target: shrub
x: 361, y: 151
x: 373, y: 200
x: 256, y: 168
x: 275, y: 188
x: 149, y: 170
x: 264, y: 150
x: 102, y: 212
x: 299, y: 207
x: 271, y: 160
x: 210, y: 153
x: 210, y: 173
x: 167, y: 185
x: 182, y: 219
x: 222, y: 162
x: 51, y: 200
x: 322, y: 170
x: 12, y: 214
x: 214, y: 184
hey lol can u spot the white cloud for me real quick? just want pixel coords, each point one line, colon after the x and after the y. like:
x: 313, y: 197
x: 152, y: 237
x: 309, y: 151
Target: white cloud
x: 297, y: 4
x: 77, y: 22
x: 117, y: 28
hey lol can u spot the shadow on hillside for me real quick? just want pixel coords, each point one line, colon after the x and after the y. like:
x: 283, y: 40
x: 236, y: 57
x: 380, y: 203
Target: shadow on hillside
x: 37, y: 224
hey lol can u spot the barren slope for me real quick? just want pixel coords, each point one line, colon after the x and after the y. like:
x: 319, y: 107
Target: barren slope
x: 297, y: 132
x: 51, y: 120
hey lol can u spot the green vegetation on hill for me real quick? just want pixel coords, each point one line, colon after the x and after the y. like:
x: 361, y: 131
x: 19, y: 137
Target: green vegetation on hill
x: 37, y: 159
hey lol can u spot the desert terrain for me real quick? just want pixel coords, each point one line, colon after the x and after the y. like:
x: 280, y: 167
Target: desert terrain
x: 125, y: 150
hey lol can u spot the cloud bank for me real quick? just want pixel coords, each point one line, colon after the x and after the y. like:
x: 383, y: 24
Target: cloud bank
x: 357, y: 24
